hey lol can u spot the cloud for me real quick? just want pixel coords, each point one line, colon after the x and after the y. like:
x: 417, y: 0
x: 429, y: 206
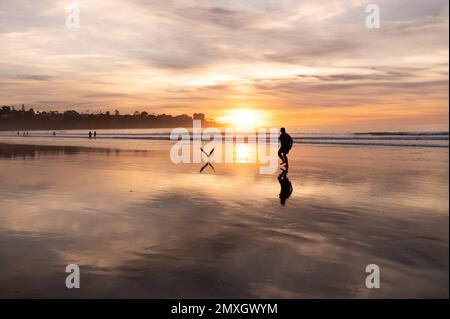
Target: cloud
x: 34, y: 77
x: 215, y: 54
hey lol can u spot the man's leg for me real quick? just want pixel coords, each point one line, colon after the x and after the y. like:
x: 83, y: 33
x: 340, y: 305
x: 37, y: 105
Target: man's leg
x: 280, y: 155
x: 285, y: 158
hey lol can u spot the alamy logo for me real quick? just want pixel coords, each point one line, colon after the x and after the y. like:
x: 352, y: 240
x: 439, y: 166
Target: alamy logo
x: 73, y: 280
x: 373, y: 279
x: 373, y: 19
x: 73, y: 16
x: 189, y: 148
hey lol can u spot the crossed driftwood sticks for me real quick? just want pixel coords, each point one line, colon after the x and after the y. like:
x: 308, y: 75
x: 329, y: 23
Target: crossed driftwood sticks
x: 208, y: 159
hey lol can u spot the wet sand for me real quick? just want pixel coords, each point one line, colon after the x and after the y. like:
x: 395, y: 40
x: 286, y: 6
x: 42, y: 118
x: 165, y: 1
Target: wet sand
x: 140, y: 226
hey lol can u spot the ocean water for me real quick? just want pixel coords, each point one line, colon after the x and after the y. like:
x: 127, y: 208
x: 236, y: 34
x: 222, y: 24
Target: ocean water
x: 390, y: 139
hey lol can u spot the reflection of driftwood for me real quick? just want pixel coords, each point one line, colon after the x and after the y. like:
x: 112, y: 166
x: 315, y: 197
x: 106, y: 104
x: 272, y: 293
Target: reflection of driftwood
x: 208, y: 159
x: 207, y: 164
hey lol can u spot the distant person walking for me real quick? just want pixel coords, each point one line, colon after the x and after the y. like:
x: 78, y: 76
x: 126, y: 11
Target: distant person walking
x: 54, y: 133
x: 90, y: 134
x: 95, y: 134
x: 286, y: 145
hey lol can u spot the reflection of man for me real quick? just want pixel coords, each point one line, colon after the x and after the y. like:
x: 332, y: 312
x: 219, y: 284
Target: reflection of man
x: 286, y: 145
x: 286, y: 187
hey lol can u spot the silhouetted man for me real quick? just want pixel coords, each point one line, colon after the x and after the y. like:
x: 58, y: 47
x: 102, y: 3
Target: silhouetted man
x: 286, y: 145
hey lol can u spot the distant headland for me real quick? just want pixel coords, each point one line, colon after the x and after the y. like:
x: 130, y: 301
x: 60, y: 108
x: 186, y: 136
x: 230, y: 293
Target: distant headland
x: 12, y: 119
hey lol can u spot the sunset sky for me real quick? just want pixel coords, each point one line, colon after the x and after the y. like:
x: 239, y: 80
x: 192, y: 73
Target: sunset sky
x: 312, y: 64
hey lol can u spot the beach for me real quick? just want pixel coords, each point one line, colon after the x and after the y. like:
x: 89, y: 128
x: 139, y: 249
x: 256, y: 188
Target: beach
x: 140, y: 226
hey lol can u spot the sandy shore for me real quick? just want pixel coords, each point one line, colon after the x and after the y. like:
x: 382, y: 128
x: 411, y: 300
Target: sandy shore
x: 140, y: 226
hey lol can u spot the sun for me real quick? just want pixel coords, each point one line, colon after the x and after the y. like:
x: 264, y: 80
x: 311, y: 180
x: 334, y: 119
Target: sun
x: 243, y: 118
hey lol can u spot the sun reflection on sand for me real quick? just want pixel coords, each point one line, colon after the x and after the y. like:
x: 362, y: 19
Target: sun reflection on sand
x: 242, y: 153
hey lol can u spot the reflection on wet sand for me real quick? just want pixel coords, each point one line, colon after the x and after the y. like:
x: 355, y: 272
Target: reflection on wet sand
x: 139, y: 226
x: 25, y: 151
x: 286, y: 186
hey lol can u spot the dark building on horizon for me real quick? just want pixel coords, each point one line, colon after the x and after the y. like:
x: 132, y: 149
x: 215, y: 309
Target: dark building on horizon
x: 199, y: 116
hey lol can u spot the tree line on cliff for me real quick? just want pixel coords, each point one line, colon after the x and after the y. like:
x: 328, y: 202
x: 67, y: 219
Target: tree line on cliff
x: 23, y: 119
